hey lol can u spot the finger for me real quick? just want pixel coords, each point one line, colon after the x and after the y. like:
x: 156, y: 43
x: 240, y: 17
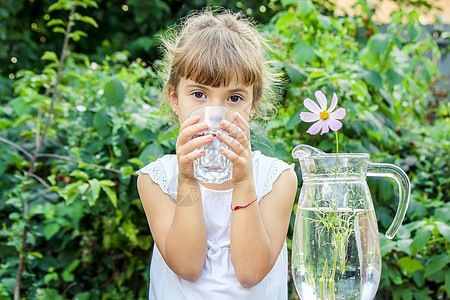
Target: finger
x: 186, y: 134
x: 231, y: 142
x: 195, y: 143
x: 233, y: 157
x: 236, y: 132
x: 189, y: 121
x: 242, y: 123
x: 190, y: 157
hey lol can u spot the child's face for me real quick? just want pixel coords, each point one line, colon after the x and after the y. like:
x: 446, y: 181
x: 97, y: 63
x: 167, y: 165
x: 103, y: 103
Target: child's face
x: 191, y: 95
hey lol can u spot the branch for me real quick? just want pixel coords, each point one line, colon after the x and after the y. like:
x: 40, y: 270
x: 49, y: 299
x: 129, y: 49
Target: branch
x: 38, y: 148
x: 78, y: 162
x: 40, y: 180
x: 58, y: 76
x: 17, y: 147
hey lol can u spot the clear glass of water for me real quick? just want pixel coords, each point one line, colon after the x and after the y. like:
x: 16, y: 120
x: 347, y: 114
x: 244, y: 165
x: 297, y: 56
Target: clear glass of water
x: 213, y: 166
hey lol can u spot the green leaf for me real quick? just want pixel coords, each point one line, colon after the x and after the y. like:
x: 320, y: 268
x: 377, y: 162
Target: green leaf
x: 420, y: 240
x: 36, y: 254
x: 54, y: 22
x: 151, y: 152
x: 443, y: 213
x: 101, y: 119
x: 144, y: 136
x: 387, y: 247
x: 409, y: 264
x: 414, y: 32
x: 49, y: 55
x: 436, y: 263
x: 79, y: 174
x: 114, y: 92
x: 106, y: 182
x: 444, y: 229
x: 94, y: 191
x: 394, y: 76
x: 294, y: 120
x: 303, y: 53
x: 50, y: 230
x: 111, y: 195
x: 89, y: 20
x: 325, y: 21
x: 136, y: 161
x: 404, y: 245
x: 127, y: 170
x: 447, y: 281
x: 378, y: 44
x: 373, y: 78
x: 67, y: 273
x: 395, y: 276
x: 296, y: 74
x: 59, y: 29
x: 80, y: 33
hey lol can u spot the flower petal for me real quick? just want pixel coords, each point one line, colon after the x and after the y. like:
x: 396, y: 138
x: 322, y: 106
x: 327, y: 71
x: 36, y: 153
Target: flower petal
x: 312, y: 106
x: 339, y: 114
x: 325, y: 128
x: 309, y: 117
x: 334, y: 124
x: 334, y: 102
x: 315, y: 128
x: 320, y: 96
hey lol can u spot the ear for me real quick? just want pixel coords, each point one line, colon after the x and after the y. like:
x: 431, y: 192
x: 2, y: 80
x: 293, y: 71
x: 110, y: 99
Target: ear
x: 173, y: 98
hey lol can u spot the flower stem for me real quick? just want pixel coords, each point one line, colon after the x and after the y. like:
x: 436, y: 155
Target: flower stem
x: 322, y: 281
x: 333, y: 272
x: 337, y: 152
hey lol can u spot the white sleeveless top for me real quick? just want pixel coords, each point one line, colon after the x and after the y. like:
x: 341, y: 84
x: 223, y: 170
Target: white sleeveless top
x: 218, y: 280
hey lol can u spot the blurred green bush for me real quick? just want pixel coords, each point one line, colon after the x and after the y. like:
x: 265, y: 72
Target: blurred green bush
x: 70, y: 212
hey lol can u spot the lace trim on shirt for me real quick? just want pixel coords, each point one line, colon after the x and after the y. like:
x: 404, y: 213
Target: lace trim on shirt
x: 275, y: 171
x: 157, y: 174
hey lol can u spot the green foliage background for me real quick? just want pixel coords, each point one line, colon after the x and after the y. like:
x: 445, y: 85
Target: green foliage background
x: 71, y: 219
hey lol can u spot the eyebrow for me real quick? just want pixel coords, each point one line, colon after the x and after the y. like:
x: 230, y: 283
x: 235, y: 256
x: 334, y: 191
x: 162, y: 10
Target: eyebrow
x: 241, y: 90
x: 196, y: 85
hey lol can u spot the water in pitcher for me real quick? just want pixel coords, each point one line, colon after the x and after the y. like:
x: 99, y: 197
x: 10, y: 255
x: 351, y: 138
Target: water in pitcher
x: 337, y: 254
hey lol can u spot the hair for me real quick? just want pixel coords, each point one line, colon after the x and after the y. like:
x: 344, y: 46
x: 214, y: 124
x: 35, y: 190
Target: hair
x: 214, y: 47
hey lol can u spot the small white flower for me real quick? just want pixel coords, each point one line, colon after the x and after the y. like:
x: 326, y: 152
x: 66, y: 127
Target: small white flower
x: 94, y: 65
x: 80, y: 108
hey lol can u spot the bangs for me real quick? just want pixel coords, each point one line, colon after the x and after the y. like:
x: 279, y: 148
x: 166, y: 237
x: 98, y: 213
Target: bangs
x: 222, y: 58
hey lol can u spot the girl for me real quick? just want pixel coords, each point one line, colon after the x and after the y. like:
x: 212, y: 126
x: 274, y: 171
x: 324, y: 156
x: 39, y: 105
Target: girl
x: 218, y: 241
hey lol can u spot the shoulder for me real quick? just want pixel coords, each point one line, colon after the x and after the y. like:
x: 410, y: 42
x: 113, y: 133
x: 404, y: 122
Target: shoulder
x: 162, y: 172
x: 268, y: 170
x: 168, y: 161
x: 264, y: 161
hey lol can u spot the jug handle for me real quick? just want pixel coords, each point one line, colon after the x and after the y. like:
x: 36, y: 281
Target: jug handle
x: 404, y: 186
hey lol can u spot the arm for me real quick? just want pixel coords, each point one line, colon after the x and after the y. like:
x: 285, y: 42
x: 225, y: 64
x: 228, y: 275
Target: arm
x: 178, y: 228
x: 259, y: 231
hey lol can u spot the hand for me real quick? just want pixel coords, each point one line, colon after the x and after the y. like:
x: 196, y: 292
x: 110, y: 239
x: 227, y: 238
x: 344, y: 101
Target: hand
x: 186, y: 146
x: 241, y: 153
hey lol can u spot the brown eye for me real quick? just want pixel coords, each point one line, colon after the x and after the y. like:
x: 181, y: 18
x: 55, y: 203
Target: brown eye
x: 235, y: 98
x: 198, y: 95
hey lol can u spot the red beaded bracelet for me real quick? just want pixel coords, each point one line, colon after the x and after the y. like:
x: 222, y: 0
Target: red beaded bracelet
x: 241, y: 206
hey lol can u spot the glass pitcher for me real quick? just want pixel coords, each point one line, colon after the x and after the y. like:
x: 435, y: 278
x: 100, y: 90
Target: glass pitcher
x: 335, y: 247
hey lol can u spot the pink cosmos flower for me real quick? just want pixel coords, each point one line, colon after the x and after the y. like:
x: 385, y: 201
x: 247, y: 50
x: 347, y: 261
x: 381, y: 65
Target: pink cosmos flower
x: 326, y: 118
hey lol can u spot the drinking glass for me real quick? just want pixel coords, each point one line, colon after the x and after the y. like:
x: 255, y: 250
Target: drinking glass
x: 213, y: 166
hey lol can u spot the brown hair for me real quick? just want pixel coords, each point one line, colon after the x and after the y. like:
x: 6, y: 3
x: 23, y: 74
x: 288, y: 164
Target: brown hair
x: 213, y: 48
